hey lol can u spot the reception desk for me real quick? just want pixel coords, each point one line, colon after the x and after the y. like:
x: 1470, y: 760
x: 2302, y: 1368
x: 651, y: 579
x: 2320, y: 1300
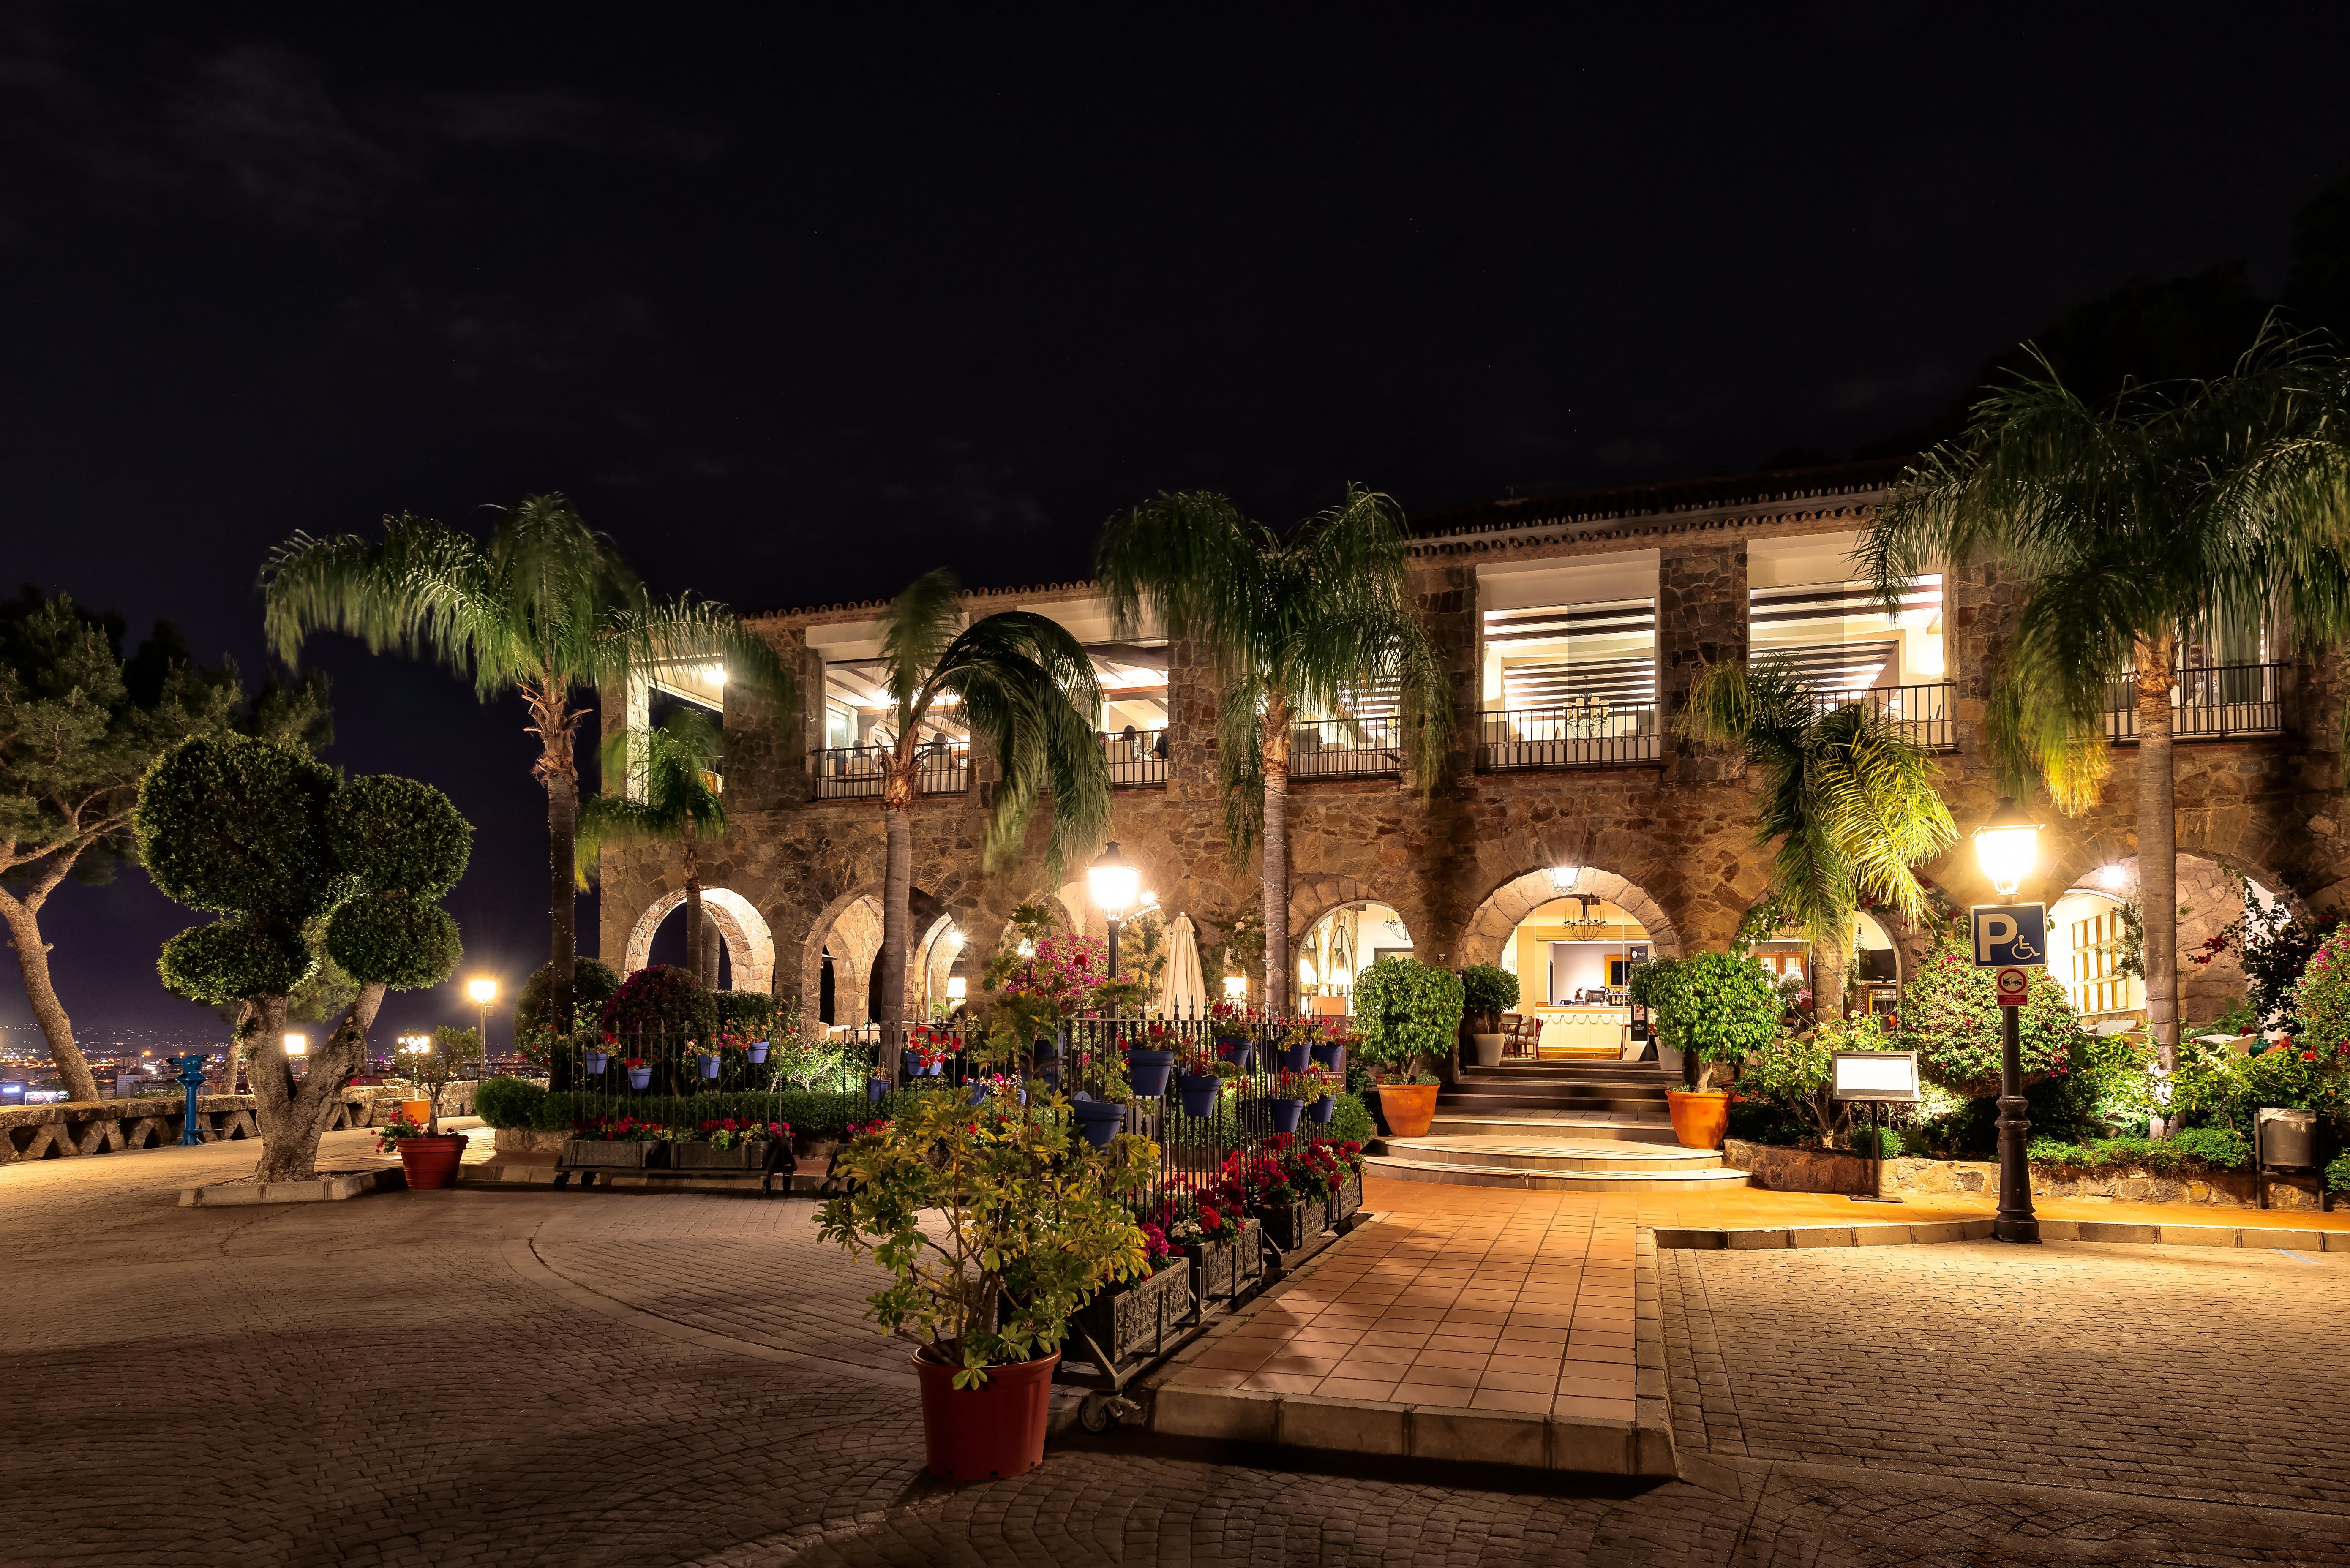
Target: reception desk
x: 1583, y: 1031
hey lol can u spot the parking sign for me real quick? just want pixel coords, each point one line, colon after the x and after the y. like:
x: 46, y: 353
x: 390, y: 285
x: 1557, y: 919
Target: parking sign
x: 2010, y: 934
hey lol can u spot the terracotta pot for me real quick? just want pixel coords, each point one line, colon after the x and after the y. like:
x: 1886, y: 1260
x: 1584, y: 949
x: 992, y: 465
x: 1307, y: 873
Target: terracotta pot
x: 417, y: 1111
x: 431, y: 1161
x: 1700, y: 1119
x: 1407, y: 1107
x: 990, y: 1432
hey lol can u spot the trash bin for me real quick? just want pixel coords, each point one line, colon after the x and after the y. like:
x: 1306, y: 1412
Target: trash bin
x: 2287, y: 1139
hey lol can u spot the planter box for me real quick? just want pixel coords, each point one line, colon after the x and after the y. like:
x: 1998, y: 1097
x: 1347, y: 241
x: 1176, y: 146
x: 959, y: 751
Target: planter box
x: 611, y: 1154
x: 1347, y: 1200
x: 1137, y: 1319
x: 1289, y: 1226
x: 759, y: 1154
x: 1211, y: 1270
x: 1248, y: 1255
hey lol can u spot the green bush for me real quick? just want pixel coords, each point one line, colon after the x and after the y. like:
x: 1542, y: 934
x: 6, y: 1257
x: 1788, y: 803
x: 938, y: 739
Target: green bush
x: 812, y: 1114
x: 1949, y: 1014
x: 593, y: 982
x: 508, y: 1102
x: 750, y: 1013
x: 1407, y: 1012
x: 1797, y: 1072
x: 1487, y: 988
x: 1759, y: 1120
x: 2195, y: 1150
x: 664, y: 1003
x: 1351, y: 1119
x: 2337, y: 1174
x: 1719, y: 1007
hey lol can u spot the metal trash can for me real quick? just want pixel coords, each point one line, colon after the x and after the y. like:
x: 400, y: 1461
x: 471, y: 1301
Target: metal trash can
x: 2287, y: 1139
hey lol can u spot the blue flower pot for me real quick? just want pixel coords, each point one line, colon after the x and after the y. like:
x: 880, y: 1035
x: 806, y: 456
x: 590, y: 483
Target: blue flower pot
x: 1243, y: 1052
x: 874, y: 1089
x: 1099, y: 1120
x: 598, y: 1059
x: 1285, y: 1114
x: 1295, y: 1057
x: 640, y: 1077
x: 710, y: 1065
x: 1199, y: 1092
x: 1149, y: 1070
x: 757, y: 1051
x: 935, y: 1068
x: 1320, y: 1110
x: 978, y: 1093
x: 1330, y: 1054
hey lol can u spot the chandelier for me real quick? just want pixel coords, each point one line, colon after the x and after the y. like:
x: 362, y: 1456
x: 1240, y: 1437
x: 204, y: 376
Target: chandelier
x: 1583, y: 920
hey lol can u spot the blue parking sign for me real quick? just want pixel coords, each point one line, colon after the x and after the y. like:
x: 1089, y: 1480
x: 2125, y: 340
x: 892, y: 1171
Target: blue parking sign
x: 2009, y: 934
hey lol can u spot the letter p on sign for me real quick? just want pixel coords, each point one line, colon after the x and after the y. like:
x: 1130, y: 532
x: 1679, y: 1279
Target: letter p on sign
x: 2012, y: 984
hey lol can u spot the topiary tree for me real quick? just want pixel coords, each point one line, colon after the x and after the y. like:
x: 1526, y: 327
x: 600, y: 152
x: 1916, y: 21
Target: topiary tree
x: 271, y: 839
x: 1950, y: 1016
x: 660, y: 1000
x: 593, y: 982
x: 1487, y: 989
x: 1407, y: 1012
x: 1717, y: 1007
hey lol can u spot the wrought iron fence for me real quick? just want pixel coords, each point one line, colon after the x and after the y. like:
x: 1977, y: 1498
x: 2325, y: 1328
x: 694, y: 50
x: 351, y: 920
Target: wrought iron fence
x: 1346, y: 748
x: 1136, y: 756
x: 1579, y: 734
x: 1921, y: 713
x: 859, y: 772
x: 2208, y: 703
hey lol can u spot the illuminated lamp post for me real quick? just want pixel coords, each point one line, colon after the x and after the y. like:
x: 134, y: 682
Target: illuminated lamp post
x: 1114, y: 882
x: 2007, y: 847
x: 484, y: 991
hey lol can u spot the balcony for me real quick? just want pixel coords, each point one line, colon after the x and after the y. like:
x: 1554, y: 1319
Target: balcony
x: 1346, y: 749
x: 1135, y: 756
x: 860, y: 772
x: 2211, y: 704
x: 1592, y: 735
x: 1921, y: 713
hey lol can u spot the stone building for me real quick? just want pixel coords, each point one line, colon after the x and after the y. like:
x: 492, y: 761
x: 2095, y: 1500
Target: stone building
x: 1575, y: 624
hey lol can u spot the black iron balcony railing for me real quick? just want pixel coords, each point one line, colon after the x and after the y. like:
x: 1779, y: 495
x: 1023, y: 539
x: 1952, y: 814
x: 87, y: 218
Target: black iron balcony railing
x: 1136, y: 756
x: 1922, y: 713
x: 2211, y: 703
x: 1346, y: 749
x: 1590, y: 734
x: 856, y: 772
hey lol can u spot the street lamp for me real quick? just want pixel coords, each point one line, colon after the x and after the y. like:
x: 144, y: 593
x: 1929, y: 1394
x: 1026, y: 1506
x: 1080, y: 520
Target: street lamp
x: 1114, y: 882
x: 484, y: 991
x: 2007, y: 845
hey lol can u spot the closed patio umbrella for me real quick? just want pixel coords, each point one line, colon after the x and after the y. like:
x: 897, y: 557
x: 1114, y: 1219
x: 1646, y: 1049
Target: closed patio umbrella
x: 1187, y: 987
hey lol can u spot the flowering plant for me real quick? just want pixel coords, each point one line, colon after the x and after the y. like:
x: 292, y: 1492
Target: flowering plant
x: 928, y: 1047
x: 388, y: 1140
x: 1064, y: 972
x: 1215, y: 1224
x: 1314, y: 1170
x: 1308, y: 1085
x: 726, y: 1132
x: 1156, y: 1250
x: 619, y: 1129
x: 1204, y: 1061
x: 635, y: 1062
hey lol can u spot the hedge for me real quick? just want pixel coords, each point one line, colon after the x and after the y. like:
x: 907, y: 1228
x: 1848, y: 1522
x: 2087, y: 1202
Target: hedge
x: 507, y: 1102
x: 2184, y: 1153
x: 811, y: 1113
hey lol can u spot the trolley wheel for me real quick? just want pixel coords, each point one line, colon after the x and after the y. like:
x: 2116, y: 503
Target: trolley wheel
x: 1095, y: 1415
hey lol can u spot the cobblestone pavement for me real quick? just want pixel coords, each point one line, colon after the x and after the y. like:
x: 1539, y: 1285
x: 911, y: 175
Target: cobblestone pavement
x: 550, y: 1377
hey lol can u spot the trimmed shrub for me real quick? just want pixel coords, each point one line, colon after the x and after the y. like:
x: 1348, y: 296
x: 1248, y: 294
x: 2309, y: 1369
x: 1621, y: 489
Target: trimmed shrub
x: 664, y: 1000
x: 1407, y: 1012
x: 1487, y: 988
x: 812, y: 1114
x: 1351, y: 1119
x: 750, y: 1013
x: 1719, y: 1007
x: 508, y: 1102
x: 2194, y: 1150
x: 593, y: 982
x: 1949, y: 1014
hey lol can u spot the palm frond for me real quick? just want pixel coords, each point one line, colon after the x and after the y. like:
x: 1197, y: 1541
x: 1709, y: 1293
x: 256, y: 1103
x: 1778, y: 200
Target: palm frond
x: 1026, y: 687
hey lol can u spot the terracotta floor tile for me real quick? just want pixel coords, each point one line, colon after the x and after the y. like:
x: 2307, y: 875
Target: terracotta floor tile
x: 1355, y: 1388
x: 1541, y: 1383
x: 1414, y: 1338
x: 1483, y: 1344
x: 1316, y: 1334
x: 1318, y: 1366
x: 1492, y: 1317
x: 1432, y: 1394
x: 1569, y: 1405
x: 1580, y: 1349
x: 1235, y: 1354
x: 1282, y: 1383
x: 1518, y: 1400
x: 1461, y: 1376
x: 1604, y: 1370
x: 1392, y: 1354
x: 1545, y: 1365
x: 1208, y: 1378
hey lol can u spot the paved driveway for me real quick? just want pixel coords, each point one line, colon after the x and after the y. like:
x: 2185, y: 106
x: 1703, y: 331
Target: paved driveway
x: 542, y: 1378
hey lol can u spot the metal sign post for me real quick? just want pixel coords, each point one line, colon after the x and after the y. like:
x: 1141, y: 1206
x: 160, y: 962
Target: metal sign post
x: 2012, y: 940
x: 1875, y: 1078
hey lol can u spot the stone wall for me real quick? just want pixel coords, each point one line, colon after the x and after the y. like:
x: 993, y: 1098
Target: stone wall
x: 72, y: 1128
x: 1679, y: 834
x: 1781, y: 1169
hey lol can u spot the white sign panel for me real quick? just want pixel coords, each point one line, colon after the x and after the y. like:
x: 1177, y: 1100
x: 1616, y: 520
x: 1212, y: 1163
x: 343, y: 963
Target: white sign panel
x: 1876, y: 1074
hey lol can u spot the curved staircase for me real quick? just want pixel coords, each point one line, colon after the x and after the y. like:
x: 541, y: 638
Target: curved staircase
x: 1555, y: 1125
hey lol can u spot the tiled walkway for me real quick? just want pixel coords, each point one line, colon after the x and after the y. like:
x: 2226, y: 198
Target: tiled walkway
x: 1510, y: 1301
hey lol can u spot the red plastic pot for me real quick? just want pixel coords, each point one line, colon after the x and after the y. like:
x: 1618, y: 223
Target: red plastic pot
x: 990, y: 1432
x: 431, y: 1161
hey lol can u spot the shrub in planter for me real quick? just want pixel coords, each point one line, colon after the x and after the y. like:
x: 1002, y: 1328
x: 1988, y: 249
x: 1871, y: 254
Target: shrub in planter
x: 734, y: 1143
x: 2192, y: 1151
x: 1950, y: 1016
x: 1718, y: 1007
x: 1487, y: 990
x: 1350, y: 1120
x: 1409, y: 1013
x: 662, y: 1001
x: 1796, y: 1072
x: 508, y: 1102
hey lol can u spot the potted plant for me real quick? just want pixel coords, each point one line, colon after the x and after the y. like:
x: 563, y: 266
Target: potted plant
x: 951, y: 1202
x: 926, y: 1051
x: 1716, y: 1008
x: 1296, y: 1047
x: 1331, y: 1049
x: 1409, y: 1012
x: 1273, y: 1196
x: 640, y: 1072
x: 615, y: 1143
x: 1347, y: 1178
x: 1293, y: 1091
x: 1138, y: 1317
x: 1202, y: 1080
x: 1487, y: 990
x: 1323, y: 1102
x: 1149, y: 1063
x: 734, y: 1143
x: 428, y: 1156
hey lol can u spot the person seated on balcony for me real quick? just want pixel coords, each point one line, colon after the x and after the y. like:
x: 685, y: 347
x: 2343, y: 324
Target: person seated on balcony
x: 1133, y: 742
x: 1159, y: 747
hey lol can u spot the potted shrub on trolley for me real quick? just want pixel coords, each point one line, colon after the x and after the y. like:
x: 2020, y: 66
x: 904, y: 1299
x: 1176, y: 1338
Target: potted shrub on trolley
x: 1714, y: 1008
x: 1346, y: 1177
x: 1008, y: 1191
x: 734, y: 1143
x: 1269, y: 1181
x: 1409, y: 1013
x: 429, y: 1156
x: 1213, y: 1236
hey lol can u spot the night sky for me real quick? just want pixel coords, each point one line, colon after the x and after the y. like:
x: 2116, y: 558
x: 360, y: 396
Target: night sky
x: 796, y: 313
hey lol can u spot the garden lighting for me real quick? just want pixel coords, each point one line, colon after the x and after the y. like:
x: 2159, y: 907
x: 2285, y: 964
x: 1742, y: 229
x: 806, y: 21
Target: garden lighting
x: 1236, y: 987
x: 957, y: 988
x: 1562, y: 878
x: 2007, y: 845
x: 1113, y: 880
x: 298, y: 1044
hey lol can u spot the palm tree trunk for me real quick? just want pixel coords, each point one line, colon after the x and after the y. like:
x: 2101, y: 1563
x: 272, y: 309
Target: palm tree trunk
x: 897, y: 886
x: 694, y: 957
x: 562, y: 823
x: 1828, y: 981
x: 1275, y: 748
x: 2158, y: 846
x: 23, y: 920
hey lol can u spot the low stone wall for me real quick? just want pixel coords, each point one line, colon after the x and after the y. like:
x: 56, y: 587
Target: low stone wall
x: 105, y: 1127
x: 1785, y: 1169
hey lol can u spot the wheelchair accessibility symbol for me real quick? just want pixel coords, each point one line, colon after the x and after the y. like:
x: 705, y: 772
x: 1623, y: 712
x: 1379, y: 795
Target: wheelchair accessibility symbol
x: 2009, y: 935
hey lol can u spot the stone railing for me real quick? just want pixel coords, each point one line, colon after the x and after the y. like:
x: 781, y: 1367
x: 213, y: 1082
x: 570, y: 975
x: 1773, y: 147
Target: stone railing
x: 105, y: 1127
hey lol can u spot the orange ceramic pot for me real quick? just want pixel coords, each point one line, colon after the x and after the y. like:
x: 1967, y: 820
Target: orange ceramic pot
x: 1407, y: 1107
x: 417, y: 1111
x: 1700, y: 1119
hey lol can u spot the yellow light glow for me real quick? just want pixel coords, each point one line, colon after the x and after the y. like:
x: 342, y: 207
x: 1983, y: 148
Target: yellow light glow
x: 1236, y: 987
x: 1113, y: 880
x: 298, y: 1044
x: 484, y: 991
x: 2007, y: 847
x: 1562, y: 877
x: 957, y: 988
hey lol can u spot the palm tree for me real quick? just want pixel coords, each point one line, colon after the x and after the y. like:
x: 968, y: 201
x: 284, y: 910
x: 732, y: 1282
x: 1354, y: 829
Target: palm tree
x: 2191, y: 510
x: 677, y: 799
x: 1016, y: 681
x: 1309, y: 621
x: 545, y: 604
x: 1847, y: 797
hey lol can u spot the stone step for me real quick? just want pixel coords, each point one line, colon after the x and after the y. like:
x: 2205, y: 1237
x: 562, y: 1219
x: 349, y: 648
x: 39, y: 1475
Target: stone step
x: 1549, y: 1154
x: 1566, y: 1126
x: 1537, y: 1180
x: 1532, y: 1099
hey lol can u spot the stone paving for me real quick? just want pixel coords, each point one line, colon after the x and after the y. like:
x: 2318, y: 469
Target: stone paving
x: 534, y: 1377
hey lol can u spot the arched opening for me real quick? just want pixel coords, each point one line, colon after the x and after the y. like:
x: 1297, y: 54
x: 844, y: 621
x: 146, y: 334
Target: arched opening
x: 840, y: 968
x: 2096, y: 941
x: 1338, y: 946
x: 1572, y: 934
x: 747, y: 948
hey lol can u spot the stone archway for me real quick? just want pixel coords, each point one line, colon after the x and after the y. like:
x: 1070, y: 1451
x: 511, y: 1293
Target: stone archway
x: 849, y: 930
x: 1498, y: 915
x: 750, y: 945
